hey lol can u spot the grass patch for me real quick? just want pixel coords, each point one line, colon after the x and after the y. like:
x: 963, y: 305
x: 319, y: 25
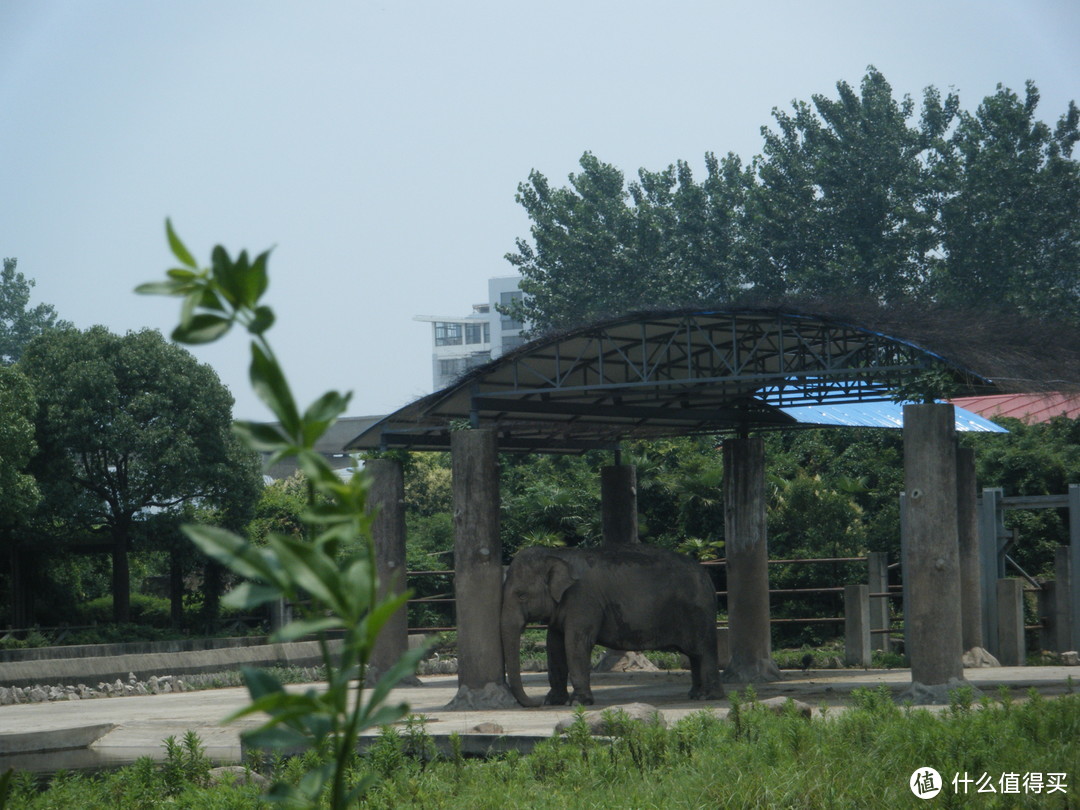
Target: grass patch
x: 862, y: 757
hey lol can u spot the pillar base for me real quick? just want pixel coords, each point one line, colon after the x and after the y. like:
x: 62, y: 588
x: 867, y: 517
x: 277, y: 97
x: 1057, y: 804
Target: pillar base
x: 489, y: 696
x: 764, y: 670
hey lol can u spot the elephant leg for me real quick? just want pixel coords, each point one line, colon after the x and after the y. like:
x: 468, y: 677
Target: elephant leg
x: 705, y: 676
x: 557, y: 671
x: 579, y: 646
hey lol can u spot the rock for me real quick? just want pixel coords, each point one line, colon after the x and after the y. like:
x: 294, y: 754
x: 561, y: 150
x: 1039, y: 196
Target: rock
x: 978, y: 657
x: 778, y: 705
x: 936, y: 694
x: 237, y: 775
x: 486, y: 728
x: 598, y: 722
x: 6, y: 696
x: 37, y: 695
x: 620, y: 661
x: 153, y: 685
x: 1071, y: 658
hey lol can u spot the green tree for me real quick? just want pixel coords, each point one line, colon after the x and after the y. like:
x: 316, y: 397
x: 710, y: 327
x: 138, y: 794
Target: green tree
x: 128, y: 426
x: 1010, y: 221
x: 846, y: 194
x: 602, y: 247
x: 889, y: 200
x: 18, y: 323
x: 19, y: 492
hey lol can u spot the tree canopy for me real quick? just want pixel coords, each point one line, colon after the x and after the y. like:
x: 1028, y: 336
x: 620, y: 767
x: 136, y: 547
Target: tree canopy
x: 864, y: 195
x: 20, y: 323
x: 131, y: 426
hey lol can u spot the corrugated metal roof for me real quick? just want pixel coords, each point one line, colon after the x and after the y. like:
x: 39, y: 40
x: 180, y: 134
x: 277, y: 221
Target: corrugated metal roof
x: 1030, y: 408
x: 880, y: 414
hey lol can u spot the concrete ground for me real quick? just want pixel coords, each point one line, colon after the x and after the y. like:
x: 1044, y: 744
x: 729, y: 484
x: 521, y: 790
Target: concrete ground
x: 130, y: 727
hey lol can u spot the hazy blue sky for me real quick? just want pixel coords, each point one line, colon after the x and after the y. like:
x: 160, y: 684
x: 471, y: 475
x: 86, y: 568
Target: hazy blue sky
x: 378, y: 146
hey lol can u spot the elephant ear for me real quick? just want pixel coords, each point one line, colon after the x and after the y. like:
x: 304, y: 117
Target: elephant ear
x: 559, y: 578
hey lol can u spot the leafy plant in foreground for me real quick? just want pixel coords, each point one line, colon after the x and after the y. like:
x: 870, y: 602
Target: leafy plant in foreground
x: 330, y: 576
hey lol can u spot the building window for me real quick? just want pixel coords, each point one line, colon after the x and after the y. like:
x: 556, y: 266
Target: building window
x: 448, y: 369
x: 478, y: 332
x: 447, y: 334
x: 505, y: 300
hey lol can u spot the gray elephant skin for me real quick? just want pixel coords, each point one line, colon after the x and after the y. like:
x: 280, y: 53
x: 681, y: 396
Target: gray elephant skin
x: 630, y: 597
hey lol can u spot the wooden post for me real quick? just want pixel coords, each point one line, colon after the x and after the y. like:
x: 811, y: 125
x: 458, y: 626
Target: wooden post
x: 478, y: 572
x: 1072, y: 591
x: 990, y: 530
x: 932, y: 555
x: 967, y: 524
x: 857, y: 625
x: 747, y: 563
x: 386, y: 497
x: 877, y: 563
x: 618, y: 503
x: 1011, y: 651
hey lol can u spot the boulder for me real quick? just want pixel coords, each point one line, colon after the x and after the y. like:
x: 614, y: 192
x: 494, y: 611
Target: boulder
x: 597, y: 721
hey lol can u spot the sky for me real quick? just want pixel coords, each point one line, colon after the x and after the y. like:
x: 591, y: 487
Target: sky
x: 377, y: 146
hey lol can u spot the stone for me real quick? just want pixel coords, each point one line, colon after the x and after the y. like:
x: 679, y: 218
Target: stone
x: 597, y: 721
x: 978, y: 657
x: 624, y: 661
x: 153, y: 685
x: 486, y: 728
x: 237, y: 775
x: 778, y: 705
x: 1071, y: 658
x: 936, y: 694
x: 6, y: 696
x: 37, y: 695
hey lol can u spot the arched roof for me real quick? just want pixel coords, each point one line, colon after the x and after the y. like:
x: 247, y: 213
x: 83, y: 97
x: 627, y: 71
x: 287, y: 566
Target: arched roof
x: 654, y: 374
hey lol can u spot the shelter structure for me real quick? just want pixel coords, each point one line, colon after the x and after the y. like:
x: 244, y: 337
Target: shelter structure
x: 730, y: 372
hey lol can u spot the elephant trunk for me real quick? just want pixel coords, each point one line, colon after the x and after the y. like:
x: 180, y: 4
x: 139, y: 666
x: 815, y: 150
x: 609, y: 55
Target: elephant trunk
x: 513, y: 623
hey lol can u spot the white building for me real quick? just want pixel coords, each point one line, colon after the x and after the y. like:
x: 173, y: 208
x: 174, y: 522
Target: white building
x: 461, y: 343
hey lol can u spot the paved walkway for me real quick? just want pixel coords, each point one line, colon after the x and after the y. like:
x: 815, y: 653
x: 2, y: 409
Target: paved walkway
x: 136, y: 726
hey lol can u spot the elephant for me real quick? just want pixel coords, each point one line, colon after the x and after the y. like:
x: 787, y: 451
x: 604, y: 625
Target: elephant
x: 629, y: 597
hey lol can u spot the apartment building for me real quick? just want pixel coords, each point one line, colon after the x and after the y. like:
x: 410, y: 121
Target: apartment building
x: 461, y: 343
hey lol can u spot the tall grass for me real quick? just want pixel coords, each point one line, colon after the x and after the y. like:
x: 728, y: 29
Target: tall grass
x: 859, y: 757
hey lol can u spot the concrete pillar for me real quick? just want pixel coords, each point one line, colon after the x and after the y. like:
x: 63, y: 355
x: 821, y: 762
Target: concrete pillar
x: 857, y: 625
x: 747, y: 563
x: 877, y: 563
x: 1073, y: 590
x: 1011, y: 650
x: 478, y: 571
x: 932, y: 555
x: 991, y: 530
x: 1063, y: 596
x: 386, y: 498
x: 967, y: 525
x: 618, y: 503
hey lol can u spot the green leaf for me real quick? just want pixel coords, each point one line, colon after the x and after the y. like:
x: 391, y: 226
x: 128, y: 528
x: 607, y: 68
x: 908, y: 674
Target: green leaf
x: 249, y: 595
x: 261, y: 436
x: 402, y: 668
x: 270, y: 386
x: 162, y: 288
x: 260, y: 682
x: 276, y: 738
x: 322, y: 413
x: 309, y: 568
x: 179, y: 250
x: 262, y: 320
x: 235, y: 553
x: 204, y: 328
x: 306, y: 627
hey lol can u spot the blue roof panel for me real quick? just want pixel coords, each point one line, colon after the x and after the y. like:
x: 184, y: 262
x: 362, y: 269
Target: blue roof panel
x: 880, y: 414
